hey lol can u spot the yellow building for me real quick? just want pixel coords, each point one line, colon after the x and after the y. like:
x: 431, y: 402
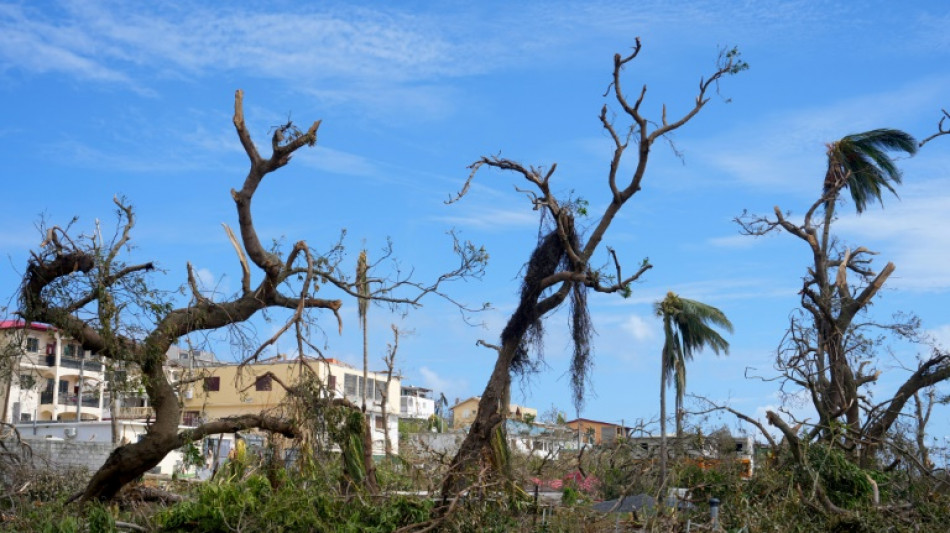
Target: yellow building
x: 230, y: 390
x: 50, y: 376
x: 463, y: 413
x: 596, y: 432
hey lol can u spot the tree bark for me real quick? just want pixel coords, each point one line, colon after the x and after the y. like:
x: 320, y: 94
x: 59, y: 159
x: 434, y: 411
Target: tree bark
x: 663, y: 443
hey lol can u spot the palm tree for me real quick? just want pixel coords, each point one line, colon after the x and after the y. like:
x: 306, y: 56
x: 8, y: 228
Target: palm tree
x: 859, y: 162
x: 687, y: 328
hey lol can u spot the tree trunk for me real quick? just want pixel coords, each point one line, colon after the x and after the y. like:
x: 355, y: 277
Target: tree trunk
x: 127, y: 463
x: 663, y: 450
x: 114, y: 415
x: 679, y: 417
x: 492, y: 408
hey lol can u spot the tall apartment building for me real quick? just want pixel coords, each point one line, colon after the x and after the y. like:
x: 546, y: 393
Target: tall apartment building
x: 48, y: 377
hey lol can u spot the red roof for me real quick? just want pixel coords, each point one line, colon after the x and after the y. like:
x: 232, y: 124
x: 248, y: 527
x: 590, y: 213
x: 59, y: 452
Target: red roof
x: 20, y: 324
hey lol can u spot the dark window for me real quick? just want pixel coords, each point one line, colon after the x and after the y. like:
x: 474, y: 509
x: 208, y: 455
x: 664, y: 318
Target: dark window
x: 263, y: 383
x: 27, y: 381
x: 32, y: 344
x: 190, y: 418
x: 380, y: 423
x: 69, y: 350
x: 331, y: 382
x: 51, y: 348
x: 213, y: 384
x: 350, y: 385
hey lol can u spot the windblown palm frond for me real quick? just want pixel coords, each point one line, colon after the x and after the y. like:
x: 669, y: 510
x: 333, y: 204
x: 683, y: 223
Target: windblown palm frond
x: 861, y: 163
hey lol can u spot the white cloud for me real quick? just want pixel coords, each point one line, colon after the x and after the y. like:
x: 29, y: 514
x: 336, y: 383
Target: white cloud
x: 941, y: 334
x: 774, y: 152
x: 640, y: 329
x: 912, y: 233
x: 495, y: 219
x: 448, y: 386
x: 337, y: 161
x: 213, y: 288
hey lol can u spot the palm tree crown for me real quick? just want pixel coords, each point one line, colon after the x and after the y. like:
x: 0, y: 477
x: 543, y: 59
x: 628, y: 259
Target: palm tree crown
x: 687, y: 328
x: 860, y: 162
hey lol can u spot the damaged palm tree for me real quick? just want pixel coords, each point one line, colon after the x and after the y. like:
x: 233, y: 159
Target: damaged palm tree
x: 559, y: 267
x: 79, y: 285
x: 831, y: 349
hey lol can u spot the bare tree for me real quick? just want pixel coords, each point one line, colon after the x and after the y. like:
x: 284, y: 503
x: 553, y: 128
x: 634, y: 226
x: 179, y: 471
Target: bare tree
x: 560, y: 266
x: 80, y: 285
x: 830, y: 348
x: 942, y: 129
x: 922, y: 411
x: 390, y: 361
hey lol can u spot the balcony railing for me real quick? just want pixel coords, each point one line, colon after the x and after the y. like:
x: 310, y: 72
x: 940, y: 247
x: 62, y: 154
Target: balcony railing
x: 135, y: 413
x: 72, y: 362
x: 46, y: 398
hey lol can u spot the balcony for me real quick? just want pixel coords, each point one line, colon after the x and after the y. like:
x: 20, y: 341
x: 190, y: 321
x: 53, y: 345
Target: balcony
x: 72, y: 362
x: 88, y: 400
x: 135, y: 413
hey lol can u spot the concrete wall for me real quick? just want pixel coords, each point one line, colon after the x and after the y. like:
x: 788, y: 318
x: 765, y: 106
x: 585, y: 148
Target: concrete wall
x: 57, y: 452
x: 90, y: 438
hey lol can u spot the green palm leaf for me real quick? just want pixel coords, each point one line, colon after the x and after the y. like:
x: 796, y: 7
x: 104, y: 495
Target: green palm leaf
x: 861, y: 163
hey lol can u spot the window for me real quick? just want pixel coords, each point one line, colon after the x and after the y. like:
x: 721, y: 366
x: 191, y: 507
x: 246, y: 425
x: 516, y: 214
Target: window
x: 331, y: 382
x: 353, y: 387
x: 69, y: 350
x: 263, y: 383
x: 51, y: 348
x: 32, y: 344
x: 190, y: 418
x: 27, y: 381
x: 380, y: 423
x: 182, y: 355
x: 212, y: 384
x: 349, y: 385
x: 25, y: 417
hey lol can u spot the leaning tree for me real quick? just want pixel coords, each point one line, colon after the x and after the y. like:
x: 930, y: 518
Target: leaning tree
x: 830, y: 349
x: 81, y: 285
x: 560, y: 265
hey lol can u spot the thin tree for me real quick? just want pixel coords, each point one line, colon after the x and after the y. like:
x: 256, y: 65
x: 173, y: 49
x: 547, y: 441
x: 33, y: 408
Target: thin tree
x: 687, y: 329
x: 363, y: 290
x: 560, y: 266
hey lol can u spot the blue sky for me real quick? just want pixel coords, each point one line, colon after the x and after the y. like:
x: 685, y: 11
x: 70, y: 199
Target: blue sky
x: 105, y: 98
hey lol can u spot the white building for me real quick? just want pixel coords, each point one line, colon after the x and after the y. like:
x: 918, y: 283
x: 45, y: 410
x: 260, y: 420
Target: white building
x: 51, y: 376
x: 416, y: 402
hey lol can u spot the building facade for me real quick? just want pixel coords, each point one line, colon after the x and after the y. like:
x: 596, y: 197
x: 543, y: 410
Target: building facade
x: 463, y: 412
x: 594, y: 432
x: 416, y: 402
x: 50, y: 377
x: 225, y: 390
